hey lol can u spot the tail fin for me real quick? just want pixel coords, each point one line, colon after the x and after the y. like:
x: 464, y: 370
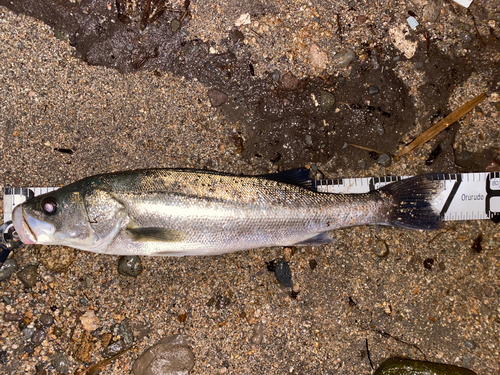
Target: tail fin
x: 412, y: 198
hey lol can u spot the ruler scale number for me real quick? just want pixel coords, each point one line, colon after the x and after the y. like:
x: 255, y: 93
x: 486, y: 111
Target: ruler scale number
x: 466, y: 196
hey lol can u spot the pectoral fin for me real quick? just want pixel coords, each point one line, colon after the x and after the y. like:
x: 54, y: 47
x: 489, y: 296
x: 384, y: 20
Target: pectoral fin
x: 155, y: 234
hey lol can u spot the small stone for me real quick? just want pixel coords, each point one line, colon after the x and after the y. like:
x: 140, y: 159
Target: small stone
x: 60, y: 362
x: 217, y: 97
x: 175, y: 25
x: 28, y: 332
x: 432, y: 10
x: 130, y: 266
x: 237, y: 35
x: 317, y: 58
x: 362, y: 19
x: 55, y: 258
x: 58, y: 331
x: 82, y: 344
x: 428, y: 263
x: 125, y: 332
x: 465, y: 36
x: 28, y: 276
x: 309, y: 141
x: 38, y: 337
x: 4, y: 358
x: 8, y: 269
x: 442, y: 266
x: 381, y: 249
x: 344, y: 59
x: 113, y: 349
x: 384, y: 160
x: 283, y: 273
x: 28, y: 348
x: 169, y: 356
x: 372, y: 90
x: 243, y: 19
x: 89, y: 321
x: 106, y: 339
x: 470, y: 344
x: 313, y: 264
x: 327, y: 100
x: 12, y: 317
x: 258, y: 334
x: 276, y: 76
x: 289, y: 81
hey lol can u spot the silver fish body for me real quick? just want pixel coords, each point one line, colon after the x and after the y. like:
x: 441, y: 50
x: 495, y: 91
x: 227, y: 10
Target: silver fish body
x: 188, y: 212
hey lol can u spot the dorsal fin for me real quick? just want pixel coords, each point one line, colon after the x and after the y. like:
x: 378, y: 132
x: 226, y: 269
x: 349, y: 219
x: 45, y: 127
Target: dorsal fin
x: 297, y: 176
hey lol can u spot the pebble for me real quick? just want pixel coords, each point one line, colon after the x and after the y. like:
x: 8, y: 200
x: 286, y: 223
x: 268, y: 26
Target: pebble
x: 344, y: 59
x: 470, y: 344
x: 429, y: 264
x: 89, y: 321
x: 289, y: 81
x: 258, y: 334
x: 283, y: 273
x: 317, y: 58
x: 113, y: 349
x: 12, y: 317
x: 60, y: 362
x: 170, y: 356
x: 125, y: 332
x: 327, y: 100
x: 381, y: 249
x: 313, y: 264
x: 175, y: 25
x: 55, y: 258
x: 362, y: 19
x: 82, y: 344
x: 276, y: 76
x: 384, y: 160
x: 38, y: 337
x: 58, y: 331
x: 372, y: 90
x: 432, y: 10
x: 130, y: 266
x: 309, y: 140
x: 7, y: 269
x: 4, y: 358
x: 28, y: 332
x: 28, y: 276
x: 217, y: 97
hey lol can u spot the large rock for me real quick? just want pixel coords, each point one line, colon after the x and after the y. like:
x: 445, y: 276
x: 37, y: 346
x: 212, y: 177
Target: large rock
x: 170, y: 356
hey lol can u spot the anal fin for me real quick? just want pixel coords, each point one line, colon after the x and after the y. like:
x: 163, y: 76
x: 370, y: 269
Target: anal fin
x: 319, y: 239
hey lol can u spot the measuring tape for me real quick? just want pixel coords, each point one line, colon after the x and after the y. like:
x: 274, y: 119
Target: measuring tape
x: 466, y: 196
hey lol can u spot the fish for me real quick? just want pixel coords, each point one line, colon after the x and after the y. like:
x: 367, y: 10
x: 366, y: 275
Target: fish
x: 178, y: 212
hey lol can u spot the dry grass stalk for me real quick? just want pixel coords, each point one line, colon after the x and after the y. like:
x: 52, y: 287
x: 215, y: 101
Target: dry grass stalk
x: 443, y: 124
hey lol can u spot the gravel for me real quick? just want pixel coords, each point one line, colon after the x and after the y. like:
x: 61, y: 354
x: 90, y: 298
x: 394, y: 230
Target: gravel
x: 352, y: 304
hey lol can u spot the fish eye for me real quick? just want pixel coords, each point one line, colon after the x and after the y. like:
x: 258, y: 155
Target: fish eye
x: 49, y: 205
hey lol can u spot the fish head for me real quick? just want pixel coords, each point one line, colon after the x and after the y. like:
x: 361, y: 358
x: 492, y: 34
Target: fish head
x: 77, y: 215
x: 55, y: 218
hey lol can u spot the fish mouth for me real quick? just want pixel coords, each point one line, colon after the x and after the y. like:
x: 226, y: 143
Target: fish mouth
x: 22, y: 228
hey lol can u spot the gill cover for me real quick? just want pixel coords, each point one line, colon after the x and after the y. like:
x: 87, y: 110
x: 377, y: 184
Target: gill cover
x: 105, y: 216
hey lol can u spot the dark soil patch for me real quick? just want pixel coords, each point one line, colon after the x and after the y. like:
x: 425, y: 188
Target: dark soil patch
x: 279, y: 118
